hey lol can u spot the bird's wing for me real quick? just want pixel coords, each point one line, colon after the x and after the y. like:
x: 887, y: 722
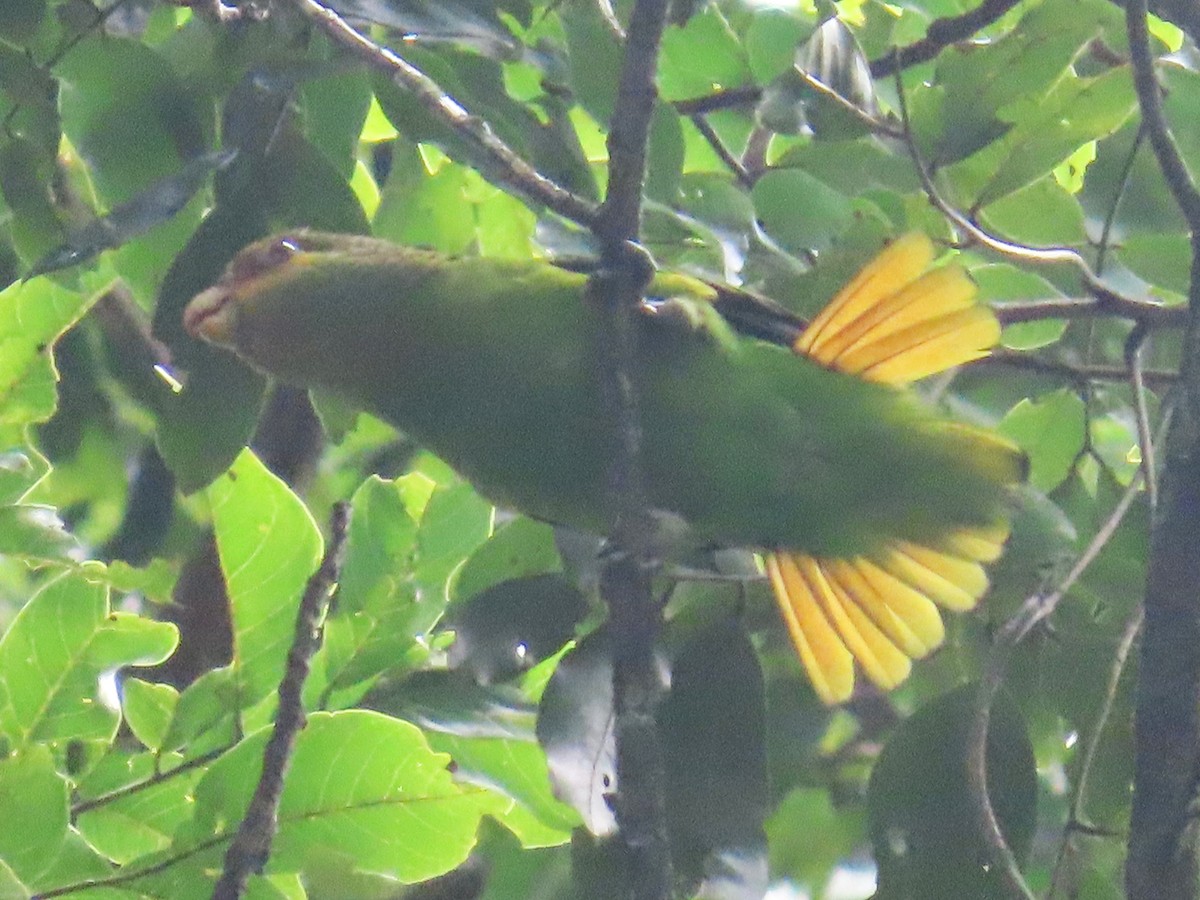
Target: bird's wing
x: 896, y: 321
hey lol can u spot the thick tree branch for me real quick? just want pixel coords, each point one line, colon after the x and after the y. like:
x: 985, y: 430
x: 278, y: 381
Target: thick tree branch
x: 251, y: 847
x: 513, y: 170
x: 1162, y: 863
x: 634, y: 617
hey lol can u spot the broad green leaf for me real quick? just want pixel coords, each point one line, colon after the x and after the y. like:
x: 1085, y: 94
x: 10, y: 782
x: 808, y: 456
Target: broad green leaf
x: 1051, y: 430
x: 703, y: 56
x: 1164, y: 260
x: 33, y: 315
x: 1125, y: 191
x: 1001, y: 282
x: 455, y: 522
x: 269, y: 545
x: 33, y: 803
x: 1048, y: 129
x: 363, y: 792
x: 771, y: 42
x: 110, y: 79
x: 379, y: 612
x: 575, y: 728
x: 55, y: 652
x: 799, y: 211
x: 1040, y: 214
x: 206, y: 713
x: 714, y: 747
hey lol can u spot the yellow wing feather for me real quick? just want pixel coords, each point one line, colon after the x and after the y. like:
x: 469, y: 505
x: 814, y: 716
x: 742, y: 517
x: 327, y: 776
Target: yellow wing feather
x: 895, y: 322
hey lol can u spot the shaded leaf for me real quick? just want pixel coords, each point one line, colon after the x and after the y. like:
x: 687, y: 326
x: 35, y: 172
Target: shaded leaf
x: 513, y: 625
x: 153, y: 206
x: 921, y: 815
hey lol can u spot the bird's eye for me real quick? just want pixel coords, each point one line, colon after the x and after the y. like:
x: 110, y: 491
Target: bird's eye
x: 262, y: 259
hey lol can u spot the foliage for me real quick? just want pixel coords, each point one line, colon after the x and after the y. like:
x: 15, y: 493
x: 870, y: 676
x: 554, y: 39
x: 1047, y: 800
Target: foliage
x: 144, y: 143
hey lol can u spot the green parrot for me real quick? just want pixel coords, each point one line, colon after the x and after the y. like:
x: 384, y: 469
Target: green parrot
x: 871, y: 510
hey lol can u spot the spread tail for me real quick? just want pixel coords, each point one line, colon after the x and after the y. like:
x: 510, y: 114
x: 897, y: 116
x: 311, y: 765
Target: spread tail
x: 895, y: 322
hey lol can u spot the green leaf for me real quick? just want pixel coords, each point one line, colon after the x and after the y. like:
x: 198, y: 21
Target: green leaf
x: 799, y: 211
x: 364, y: 792
x: 33, y: 315
x: 55, y: 651
x: 148, y: 710
x: 1164, y: 260
x: 922, y: 816
x: 379, y: 612
x: 1050, y: 128
x: 1002, y: 282
x: 269, y: 545
x: 1051, y: 430
x: 516, y: 549
x: 33, y: 801
x: 517, y: 770
x: 703, y: 56
x: 455, y: 522
x: 35, y: 534
x: 575, y: 728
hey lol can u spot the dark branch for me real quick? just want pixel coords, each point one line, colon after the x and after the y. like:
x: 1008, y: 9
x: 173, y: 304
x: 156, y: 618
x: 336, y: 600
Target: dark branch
x: 1162, y: 860
x: 251, y: 847
x: 940, y: 35
x: 634, y: 617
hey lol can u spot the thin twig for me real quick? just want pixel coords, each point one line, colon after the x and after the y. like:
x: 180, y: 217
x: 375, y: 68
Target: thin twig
x: 510, y: 167
x: 1152, y: 315
x: 940, y: 34
x: 1105, y: 295
x: 1035, y: 608
x: 1076, y: 821
x: 1078, y: 374
x: 740, y: 172
x: 251, y: 847
x: 157, y: 778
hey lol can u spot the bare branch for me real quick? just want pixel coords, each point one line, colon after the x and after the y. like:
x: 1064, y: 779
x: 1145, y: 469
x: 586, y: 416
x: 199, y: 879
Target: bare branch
x: 513, y: 170
x: 251, y: 847
x: 940, y: 34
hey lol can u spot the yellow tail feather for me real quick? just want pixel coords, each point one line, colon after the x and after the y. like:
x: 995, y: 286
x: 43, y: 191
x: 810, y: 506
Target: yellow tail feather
x: 895, y: 322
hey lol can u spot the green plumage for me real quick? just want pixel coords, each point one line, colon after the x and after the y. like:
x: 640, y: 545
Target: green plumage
x: 492, y: 365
